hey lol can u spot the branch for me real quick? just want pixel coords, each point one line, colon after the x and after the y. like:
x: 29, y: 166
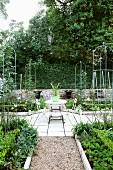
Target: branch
x: 64, y: 3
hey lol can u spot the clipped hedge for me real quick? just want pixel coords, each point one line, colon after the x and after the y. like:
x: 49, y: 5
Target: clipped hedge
x: 62, y: 73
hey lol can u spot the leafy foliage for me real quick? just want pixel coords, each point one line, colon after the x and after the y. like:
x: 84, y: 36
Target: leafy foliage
x: 46, y: 73
x: 81, y: 127
x: 16, y: 144
x: 69, y: 104
x: 42, y: 103
x: 6, y: 143
x: 3, y: 11
x: 100, y: 157
x: 24, y: 146
x: 77, y: 27
x: 96, y: 143
x: 67, y: 33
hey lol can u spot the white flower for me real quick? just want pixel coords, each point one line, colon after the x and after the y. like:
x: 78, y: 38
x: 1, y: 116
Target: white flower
x: 88, y: 99
x: 37, y: 102
x: 75, y: 100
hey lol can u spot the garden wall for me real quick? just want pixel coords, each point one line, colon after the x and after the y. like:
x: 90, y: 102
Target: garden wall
x: 47, y: 93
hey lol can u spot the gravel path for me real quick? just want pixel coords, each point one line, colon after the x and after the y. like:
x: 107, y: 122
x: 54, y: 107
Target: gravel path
x: 56, y: 153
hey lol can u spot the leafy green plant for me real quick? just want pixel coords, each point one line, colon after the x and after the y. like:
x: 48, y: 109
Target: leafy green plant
x: 99, y: 156
x: 104, y: 136
x: 69, y: 104
x: 20, y: 106
x: 55, y: 89
x: 98, y: 125
x: 81, y: 127
x: 14, y: 124
x: 24, y: 146
x: 110, y: 136
x: 16, y: 144
x: 6, y: 142
x: 97, y: 144
x: 42, y: 103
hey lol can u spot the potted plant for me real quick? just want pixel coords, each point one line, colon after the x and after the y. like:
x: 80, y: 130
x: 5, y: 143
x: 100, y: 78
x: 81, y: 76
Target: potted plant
x: 55, y: 96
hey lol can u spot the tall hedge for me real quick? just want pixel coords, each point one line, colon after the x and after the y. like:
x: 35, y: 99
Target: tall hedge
x: 62, y: 73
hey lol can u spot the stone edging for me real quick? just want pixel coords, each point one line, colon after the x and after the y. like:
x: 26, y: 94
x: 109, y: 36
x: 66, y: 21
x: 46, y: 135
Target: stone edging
x: 27, y: 163
x: 83, y: 156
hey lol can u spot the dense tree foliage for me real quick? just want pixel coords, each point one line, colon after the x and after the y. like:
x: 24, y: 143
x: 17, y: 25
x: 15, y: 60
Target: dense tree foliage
x: 2, y: 8
x: 32, y: 43
x: 78, y: 26
x: 38, y: 33
x: 67, y: 33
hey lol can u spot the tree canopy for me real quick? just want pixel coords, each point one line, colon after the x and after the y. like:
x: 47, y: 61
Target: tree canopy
x: 2, y: 8
x: 67, y: 32
x: 78, y: 26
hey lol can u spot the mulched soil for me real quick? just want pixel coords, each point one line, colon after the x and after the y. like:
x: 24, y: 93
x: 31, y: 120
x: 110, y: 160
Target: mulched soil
x: 56, y: 153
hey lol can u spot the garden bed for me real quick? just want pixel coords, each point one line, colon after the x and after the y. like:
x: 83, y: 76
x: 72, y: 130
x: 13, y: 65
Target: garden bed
x: 17, y: 142
x: 97, y: 143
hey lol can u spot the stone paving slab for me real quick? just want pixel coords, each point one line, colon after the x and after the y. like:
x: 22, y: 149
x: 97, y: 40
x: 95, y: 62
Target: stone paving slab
x: 68, y: 128
x: 55, y: 123
x: 42, y: 134
x: 42, y: 129
x: 56, y: 127
x: 68, y: 133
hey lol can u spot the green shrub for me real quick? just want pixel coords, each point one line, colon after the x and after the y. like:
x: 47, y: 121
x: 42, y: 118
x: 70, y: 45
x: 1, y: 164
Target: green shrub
x: 24, y: 146
x: 62, y: 73
x: 14, y: 124
x: 104, y: 136
x: 95, y: 107
x: 99, y: 156
x: 6, y: 142
x: 21, y: 106
x: 16, y: 144
x: 97, y: 144
x: 81, y: 127
x: 42, y: 103
x: 69, y: 104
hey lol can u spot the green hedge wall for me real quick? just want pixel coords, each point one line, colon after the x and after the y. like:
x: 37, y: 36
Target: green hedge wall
x: 62, y: 73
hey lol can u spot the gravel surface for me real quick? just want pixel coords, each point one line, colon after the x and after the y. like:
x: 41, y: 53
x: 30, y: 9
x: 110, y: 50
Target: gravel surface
x: 56, y: 153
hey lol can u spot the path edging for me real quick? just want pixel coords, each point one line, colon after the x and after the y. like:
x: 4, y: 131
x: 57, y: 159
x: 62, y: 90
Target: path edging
x: 83, y: 156
x: 27, y: 163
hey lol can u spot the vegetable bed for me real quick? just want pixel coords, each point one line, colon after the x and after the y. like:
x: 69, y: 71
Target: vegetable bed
x: 97, y: 143
x: 16, y: 144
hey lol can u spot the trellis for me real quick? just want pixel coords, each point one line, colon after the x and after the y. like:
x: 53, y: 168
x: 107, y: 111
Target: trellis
x: 102, y: 79
x: 80, y: 80
x: 8, y: 79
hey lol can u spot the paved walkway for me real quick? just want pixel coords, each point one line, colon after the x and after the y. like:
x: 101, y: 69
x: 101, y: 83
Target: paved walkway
x: 40, y: 120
